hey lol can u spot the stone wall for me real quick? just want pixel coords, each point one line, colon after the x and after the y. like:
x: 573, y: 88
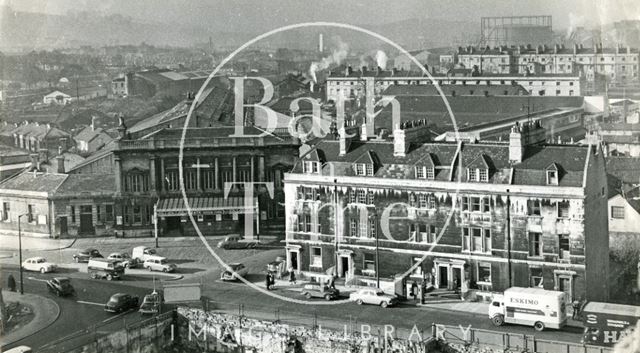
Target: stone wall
x: 209, y: 332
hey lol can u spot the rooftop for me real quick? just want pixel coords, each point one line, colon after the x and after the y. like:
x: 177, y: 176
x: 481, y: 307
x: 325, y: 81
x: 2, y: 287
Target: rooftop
x: 34, y: 182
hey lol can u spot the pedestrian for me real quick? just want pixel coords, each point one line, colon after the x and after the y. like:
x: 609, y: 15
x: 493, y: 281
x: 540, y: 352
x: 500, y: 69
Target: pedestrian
x: 273, y: 280
x: 292, y: 276
x: 414, y: 290
x: 11, y: 283
x: 576, y: 309
x: 332, y: 282
x: 456, y: 285
x: 268, y: 281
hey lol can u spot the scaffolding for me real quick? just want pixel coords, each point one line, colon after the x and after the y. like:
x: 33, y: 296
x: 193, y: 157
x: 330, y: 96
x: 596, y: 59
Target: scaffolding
x: 515, y: 30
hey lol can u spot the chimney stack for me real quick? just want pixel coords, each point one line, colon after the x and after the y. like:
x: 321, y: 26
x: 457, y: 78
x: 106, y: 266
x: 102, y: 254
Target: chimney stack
x: 399, y: 142
x: 342, y: 137
x: 35, y: 165
x: 320, y: 43
x: 93, y: 123
x: 516, y: 144
x: 575, y: 49
x: 363, y: 133
x: 60, y: 162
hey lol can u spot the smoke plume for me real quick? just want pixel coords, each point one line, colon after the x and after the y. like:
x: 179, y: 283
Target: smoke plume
x: 338, y: 54
x: 381, y: 59
x: 575, y: 21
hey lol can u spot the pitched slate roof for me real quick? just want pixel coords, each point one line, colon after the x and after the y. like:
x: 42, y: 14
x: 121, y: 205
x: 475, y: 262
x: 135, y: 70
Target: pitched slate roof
x: 627, y: 169
x: 531, y: 171
x: 461, y: 90
x: 36, y: 182
x: 77, y: 184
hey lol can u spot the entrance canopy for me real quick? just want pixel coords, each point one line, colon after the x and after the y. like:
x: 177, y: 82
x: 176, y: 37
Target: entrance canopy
x: 205, y: 205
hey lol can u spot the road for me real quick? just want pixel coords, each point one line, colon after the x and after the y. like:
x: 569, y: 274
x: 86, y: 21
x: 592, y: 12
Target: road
x: 83, y: 317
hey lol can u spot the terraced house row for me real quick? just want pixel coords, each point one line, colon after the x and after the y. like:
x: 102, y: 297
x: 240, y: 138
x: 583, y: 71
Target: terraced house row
x: 479, y: 216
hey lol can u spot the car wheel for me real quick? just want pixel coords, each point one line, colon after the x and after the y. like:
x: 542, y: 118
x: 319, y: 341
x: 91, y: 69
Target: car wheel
x: 126, y: 265
x: 76, y: 259
x: 307, y: 295
x: 109, y: 277
x: 165, y: 270
x: 149, y: 268
x: 327, y: 297
x: 497, y: 320
x: 359, y: 301
x: 43, y: 270
x: 384, y: 304
x: 538, y: 326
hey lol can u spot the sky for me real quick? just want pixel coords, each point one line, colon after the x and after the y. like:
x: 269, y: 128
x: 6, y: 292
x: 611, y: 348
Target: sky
x: 252, y: 15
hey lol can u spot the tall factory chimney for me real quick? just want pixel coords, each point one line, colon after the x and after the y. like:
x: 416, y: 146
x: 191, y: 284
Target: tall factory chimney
x: 320, y: 43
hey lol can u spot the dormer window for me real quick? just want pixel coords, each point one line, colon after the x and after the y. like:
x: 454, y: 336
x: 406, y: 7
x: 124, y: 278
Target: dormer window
x: 311, y: 167
x: 478, y: 174
x: 423, y: 172
x: 363, y: 169
x: 553, y: 174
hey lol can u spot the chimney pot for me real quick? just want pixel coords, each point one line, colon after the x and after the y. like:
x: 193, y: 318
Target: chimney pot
x: 60, y: 162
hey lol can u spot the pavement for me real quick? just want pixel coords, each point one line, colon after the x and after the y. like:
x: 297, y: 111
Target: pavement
x: 46, y: 312
x: 10, y: 242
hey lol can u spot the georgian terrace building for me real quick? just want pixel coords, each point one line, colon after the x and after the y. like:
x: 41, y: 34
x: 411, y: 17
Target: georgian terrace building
x: 521, y: 213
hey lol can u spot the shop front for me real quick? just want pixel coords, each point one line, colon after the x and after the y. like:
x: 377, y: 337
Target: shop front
x: 212, y: 215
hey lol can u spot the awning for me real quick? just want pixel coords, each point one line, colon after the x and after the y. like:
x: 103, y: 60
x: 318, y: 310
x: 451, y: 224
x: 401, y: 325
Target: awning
x: 176, y: 206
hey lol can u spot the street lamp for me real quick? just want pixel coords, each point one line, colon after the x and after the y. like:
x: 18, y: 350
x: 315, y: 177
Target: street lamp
x: 20, y: 251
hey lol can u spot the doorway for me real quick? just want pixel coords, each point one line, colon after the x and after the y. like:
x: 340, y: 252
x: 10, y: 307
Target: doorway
x: 294, y: 260
x: 443, y: 278
x: 86, y: 219
x: 565, y: 284
x: 63, y: 226
x: 457, y: 277
x: 344, y: 269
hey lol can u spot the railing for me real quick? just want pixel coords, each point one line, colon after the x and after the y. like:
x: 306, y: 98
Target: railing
x: 505, y: 341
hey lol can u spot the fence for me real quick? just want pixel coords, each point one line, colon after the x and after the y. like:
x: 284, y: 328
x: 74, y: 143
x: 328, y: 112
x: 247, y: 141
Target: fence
x: 149, y: 335
x: 504, y: 341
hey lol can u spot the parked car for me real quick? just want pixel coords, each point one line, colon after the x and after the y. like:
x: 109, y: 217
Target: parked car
x: 38, y: 264
x: 317, y: 290
x: 120, y: 302
x: 105, y: 268
x: 159, y: 263
x: 240, y: 271
x: 236, y: 242
x: 86, y: 254
x: 125, y: 259
x: 19, y: 349
x: 150, y: 304
x: 373, y: 296
x: 60, y: 286
x: 142, y: 253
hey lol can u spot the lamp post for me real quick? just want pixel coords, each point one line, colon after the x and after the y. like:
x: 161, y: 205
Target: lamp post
x: 20, y: 251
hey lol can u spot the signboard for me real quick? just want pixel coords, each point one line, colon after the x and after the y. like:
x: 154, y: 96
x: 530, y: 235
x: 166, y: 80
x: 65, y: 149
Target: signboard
x: 119, y: 220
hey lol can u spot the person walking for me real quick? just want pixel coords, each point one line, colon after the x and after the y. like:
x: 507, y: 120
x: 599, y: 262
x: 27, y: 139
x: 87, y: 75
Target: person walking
x: 268, y: 280
x: 292, y: 276
x: 11, y: 283
x: 414, y: 290
x: 332, y: 282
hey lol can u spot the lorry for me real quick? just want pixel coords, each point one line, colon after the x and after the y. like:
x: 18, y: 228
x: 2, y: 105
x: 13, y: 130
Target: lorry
x: 606, y: 323
x: 535, y: 307
x: 105, y: 268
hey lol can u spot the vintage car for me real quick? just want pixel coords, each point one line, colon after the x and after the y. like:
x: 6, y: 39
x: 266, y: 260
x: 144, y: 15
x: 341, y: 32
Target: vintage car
x: 317, y: 290
x: 373, y: 296
x: 86, y: 254
x: 60, y: 286
x: 159, y: 263
x: 238, y: 268
x: 120, y: 302
x: 150, y: 304
x: 125, y: 259
x: 38, y: 264
x: 236, y: 242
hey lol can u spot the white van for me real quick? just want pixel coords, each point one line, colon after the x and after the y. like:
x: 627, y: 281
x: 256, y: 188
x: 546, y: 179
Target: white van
x: 142, y: 253
x: 529, y: 306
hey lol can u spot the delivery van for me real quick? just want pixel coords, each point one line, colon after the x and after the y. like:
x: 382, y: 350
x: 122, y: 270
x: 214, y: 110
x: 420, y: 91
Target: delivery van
x: 142, y: 253
x: 606, y: 323
x: 529, y: 306
x: 105, y: 268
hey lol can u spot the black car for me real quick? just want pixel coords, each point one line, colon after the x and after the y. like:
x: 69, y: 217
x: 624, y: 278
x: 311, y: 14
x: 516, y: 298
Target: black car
x: 86, y: 254
x: 120, y: 302
x: 60, y: 286
x: 316, y: 290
